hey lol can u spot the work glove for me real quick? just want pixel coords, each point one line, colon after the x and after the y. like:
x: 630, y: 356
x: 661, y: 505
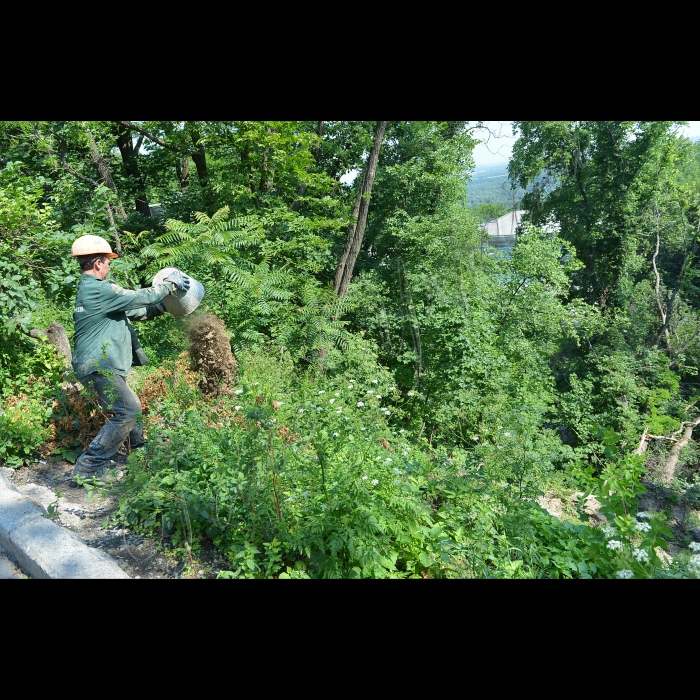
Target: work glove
x: 180, y: 280
x: 160, y: 309
x: 141, y: 356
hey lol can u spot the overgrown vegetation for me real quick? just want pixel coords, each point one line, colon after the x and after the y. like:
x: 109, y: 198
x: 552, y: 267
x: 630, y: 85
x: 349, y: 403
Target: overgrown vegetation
x: 408, y: 428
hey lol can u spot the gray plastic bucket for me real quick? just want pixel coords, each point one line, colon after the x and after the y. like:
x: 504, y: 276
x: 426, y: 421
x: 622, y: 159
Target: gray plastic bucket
x: 180, y: 303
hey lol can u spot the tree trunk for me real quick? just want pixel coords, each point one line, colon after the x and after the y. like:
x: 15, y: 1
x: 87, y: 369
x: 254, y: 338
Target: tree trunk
x: 57, y: 336
x: 356, y: 231
x: 183, y: 173
x: 131, y: 167
x: 105, y: 172
x: 199, y: 157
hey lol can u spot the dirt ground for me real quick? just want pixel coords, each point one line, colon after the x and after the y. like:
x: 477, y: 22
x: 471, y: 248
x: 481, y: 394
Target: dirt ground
x: 139, y: 557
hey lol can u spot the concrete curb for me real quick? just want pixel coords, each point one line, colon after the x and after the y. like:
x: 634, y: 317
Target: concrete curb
x: 44, y: 549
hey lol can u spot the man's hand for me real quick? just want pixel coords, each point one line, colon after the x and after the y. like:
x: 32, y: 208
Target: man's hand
x: 180, y: 280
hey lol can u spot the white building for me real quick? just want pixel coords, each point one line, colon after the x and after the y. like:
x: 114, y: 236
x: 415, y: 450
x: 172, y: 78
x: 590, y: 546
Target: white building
x: 501, y: 231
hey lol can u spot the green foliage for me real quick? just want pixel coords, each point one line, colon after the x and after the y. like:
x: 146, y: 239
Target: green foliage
x: 337, y: 501
x: 23, y: 429
x: 626, y: 547
x: 31, y: 373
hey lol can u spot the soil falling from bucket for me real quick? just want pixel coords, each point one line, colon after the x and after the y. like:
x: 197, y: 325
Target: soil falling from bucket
x: 210, y: 350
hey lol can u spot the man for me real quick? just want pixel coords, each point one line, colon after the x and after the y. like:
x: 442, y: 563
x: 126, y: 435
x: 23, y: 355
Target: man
x: 104, y: 350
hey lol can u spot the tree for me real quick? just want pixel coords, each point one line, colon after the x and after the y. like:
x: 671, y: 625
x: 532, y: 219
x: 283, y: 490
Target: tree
x: 356, y: 230
x: 598, y: 176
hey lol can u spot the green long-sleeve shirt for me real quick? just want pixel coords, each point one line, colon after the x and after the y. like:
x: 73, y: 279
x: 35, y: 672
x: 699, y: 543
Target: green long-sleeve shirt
x: 102, y: 339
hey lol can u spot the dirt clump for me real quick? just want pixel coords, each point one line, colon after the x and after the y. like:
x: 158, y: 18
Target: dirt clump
x: 210, y: 350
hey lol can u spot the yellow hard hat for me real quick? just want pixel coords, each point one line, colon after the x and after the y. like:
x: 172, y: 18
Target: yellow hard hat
x: 91, y: 245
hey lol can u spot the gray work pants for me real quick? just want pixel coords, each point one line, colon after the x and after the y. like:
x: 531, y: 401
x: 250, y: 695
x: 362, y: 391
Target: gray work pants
x: 117, y: 398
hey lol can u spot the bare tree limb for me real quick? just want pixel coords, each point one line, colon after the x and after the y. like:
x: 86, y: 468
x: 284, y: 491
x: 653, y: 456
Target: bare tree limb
x: 672, y: 461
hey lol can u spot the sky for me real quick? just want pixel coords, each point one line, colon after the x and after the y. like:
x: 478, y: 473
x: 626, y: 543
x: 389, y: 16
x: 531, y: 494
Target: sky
x: 498, y: 142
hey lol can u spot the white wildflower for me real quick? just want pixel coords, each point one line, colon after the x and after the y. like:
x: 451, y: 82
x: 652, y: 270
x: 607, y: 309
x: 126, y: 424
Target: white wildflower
x: 388, y: 459
x: 694, y: 546
x: 396, y: 481
x: 360, y: 404
x: 375, y: 381
x: 279, y: 403
x: 351, y: 386
x: 238, y: 391
x: 379, y: 396
x: 335, y: 434
x: 643, y: 516
x: 375, y: 482
x: 500, y: 447
x: 237, y: 408
x: 694, y: 561
x: 641, y: 555
x: 614, y: 544
x: 256, y: 383
x: 319, y: 408
x: 336, y: 394
x: 625, y: 573
x: 387, y: 413
x: 378, y: 459
x: 410, y: 393
x: 369, y: 391
x: 363, y: 429
x: 301, y: 410
x: 396, y: 471
x: 507, y: 434
x: 340, y: 410
x: 609, y: 531
x: 365, y: 477
x: 642, y: 527
x: 392, y: 388
x: 331, y: 400
x: 402, y: 430
x: 476, y: 438
x: 323, y: 506
x: 321, y: 392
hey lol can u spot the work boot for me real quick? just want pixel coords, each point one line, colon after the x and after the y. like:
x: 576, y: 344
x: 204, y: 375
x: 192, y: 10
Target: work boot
x: 102, y: 477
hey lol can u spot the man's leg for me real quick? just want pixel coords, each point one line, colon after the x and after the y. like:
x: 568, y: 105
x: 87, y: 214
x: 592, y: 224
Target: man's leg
x: 117, y: 398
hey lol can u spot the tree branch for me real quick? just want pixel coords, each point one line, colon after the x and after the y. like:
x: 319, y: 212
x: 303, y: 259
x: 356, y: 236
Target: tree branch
x: 152, y: 137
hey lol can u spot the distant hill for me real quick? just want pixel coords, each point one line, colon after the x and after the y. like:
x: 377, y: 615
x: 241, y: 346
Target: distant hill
x: 490, y: 184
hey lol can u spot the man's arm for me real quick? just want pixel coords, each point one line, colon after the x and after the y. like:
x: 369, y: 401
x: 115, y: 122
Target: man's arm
x: 116, y: 298
x: 146, y: 313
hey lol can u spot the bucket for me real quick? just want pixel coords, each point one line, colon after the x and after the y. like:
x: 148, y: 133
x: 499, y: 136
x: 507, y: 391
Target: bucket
x: 181, y: 303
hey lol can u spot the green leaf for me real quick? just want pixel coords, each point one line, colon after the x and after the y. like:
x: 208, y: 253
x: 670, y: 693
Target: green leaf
x: 425, y: 559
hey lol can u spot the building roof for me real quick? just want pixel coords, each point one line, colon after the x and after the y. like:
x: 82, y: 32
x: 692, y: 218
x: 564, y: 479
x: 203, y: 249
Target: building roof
x: 504, y: 226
